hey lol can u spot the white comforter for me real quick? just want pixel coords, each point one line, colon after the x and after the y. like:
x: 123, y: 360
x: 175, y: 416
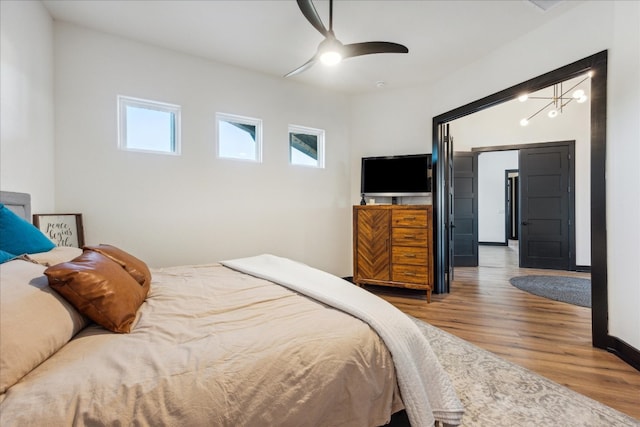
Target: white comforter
x: 426, y: 390
x: 211, y: 347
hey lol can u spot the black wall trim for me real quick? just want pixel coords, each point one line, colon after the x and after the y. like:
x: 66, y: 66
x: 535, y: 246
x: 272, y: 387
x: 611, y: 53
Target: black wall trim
x: 625, y: 352
x: 599, y: 271
x: 583, y: 268
x: 493, y: 243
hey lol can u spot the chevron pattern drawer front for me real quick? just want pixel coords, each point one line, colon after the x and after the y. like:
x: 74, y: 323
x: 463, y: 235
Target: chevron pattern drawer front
x: 373, y: 244
x: 392, y: 246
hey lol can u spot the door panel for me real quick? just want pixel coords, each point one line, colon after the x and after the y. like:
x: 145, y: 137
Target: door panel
x: 465, y: 209
x: 546, y: 208
x: 450, y: 206
x: 440, y: 209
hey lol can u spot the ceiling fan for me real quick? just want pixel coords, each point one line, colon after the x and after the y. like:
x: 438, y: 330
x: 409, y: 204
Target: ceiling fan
x: 331, y: 51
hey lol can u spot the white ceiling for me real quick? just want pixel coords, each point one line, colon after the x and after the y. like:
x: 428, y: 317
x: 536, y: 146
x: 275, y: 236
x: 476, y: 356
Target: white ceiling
x: 273, y: 37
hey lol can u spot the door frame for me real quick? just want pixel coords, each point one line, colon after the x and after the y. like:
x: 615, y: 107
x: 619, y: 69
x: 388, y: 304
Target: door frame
x: 511, y: 206
x: 597, y: 64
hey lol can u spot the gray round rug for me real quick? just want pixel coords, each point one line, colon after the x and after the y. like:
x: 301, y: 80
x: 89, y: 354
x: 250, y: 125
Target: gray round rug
x: 572, y: 290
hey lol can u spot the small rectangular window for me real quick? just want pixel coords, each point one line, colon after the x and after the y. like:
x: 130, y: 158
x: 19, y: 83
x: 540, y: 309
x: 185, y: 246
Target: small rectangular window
x: 239, y: 137
x: 306, y: 146
x: 149, y: 126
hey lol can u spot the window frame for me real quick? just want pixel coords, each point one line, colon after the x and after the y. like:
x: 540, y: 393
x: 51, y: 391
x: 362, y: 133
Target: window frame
x: 245, y: 121
x: 128, y: 101
x: 319, y: 133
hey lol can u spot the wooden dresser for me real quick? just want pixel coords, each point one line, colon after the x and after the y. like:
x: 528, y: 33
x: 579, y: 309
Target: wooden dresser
x: 392, y: 246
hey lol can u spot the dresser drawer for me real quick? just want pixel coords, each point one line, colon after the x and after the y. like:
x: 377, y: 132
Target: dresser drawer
x: 409, y: 218
x: 409, y: 255
x: 409, y: 274
x: 404, y: 236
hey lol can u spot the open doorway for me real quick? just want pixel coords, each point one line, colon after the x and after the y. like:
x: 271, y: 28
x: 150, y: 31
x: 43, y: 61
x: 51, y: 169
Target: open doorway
x: 542, y: 220
x: 442, y: 224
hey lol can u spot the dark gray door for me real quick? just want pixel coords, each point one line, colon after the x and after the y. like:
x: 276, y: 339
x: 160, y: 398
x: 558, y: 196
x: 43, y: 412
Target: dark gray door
x: 512, y: 204
x: 449, y: 204
x: 546, y: 208
x: 465, y: 209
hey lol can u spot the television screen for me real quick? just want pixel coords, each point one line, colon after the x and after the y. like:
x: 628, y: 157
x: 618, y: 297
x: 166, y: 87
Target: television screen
x: 396, y: 175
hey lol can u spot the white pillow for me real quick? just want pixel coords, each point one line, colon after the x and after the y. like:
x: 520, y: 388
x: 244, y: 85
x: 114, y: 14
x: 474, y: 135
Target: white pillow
x: 35, y: 321
x: 56, y: 255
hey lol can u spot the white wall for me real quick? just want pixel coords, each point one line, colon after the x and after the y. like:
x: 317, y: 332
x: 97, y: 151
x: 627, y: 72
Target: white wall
x: 623, y: 174
x: 500, y: 125
x: 398, y: 121
x: 491, y: 192
x: 26, y: 106
x: 195, y: 208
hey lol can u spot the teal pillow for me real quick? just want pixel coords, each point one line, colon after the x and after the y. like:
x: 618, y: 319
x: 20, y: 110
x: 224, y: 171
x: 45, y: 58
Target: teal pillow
x: 6, y: 256
x: 18, y: 236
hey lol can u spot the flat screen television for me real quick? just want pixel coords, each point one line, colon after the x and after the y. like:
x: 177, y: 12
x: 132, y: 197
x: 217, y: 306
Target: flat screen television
x: 396, y: 176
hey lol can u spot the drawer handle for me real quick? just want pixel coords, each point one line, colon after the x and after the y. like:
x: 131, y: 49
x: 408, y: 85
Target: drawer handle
x: 410, y: 255
x: 409, y: 236
x: 409, y: 273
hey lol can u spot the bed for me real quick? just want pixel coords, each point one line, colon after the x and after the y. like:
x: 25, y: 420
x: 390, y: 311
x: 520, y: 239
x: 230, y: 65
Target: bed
x: 247, y: 342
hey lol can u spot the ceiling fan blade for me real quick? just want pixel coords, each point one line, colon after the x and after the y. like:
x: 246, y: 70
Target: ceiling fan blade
x: 367, y: 48
x: 303, y: 67
x: 309, y: 12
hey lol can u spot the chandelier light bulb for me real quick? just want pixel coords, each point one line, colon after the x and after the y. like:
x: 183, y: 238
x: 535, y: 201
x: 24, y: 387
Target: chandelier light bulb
x: 560, y: 99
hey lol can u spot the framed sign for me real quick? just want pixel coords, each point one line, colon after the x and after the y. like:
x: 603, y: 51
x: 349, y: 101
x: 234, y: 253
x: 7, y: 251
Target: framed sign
x: 62, y: 229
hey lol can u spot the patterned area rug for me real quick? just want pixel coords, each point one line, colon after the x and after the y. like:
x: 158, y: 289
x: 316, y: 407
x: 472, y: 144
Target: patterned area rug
x: 496, y: 392
x: 572, y: 290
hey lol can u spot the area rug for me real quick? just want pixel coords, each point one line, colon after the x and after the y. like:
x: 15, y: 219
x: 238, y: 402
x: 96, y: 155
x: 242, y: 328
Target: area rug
x: 572, y: 290
x: 496, y: 392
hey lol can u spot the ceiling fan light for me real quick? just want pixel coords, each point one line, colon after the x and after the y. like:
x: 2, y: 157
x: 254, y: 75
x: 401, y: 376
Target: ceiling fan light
x: 553, y: 113
x: 523, y: 97
x: 330, y: 58
x: 524, y: 122
x: 582, y: 99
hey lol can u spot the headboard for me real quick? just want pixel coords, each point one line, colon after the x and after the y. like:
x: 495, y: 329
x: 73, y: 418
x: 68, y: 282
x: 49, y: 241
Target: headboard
x: 19, y: 203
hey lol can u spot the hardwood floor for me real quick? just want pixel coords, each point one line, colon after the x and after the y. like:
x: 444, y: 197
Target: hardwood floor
x: 550, y: 338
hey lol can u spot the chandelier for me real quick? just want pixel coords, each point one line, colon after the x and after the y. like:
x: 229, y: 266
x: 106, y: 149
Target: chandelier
x: 558, y: 101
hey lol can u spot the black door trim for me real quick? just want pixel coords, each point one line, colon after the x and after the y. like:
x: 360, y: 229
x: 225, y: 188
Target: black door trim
x: 596, y: 63
x: 511, y: 203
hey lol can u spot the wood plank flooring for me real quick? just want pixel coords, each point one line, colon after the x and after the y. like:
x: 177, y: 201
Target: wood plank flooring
x: 550, y: 338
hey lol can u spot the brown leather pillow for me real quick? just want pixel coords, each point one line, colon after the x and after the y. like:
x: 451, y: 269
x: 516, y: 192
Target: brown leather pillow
x: 134, y: 266
x: 99, y: 288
